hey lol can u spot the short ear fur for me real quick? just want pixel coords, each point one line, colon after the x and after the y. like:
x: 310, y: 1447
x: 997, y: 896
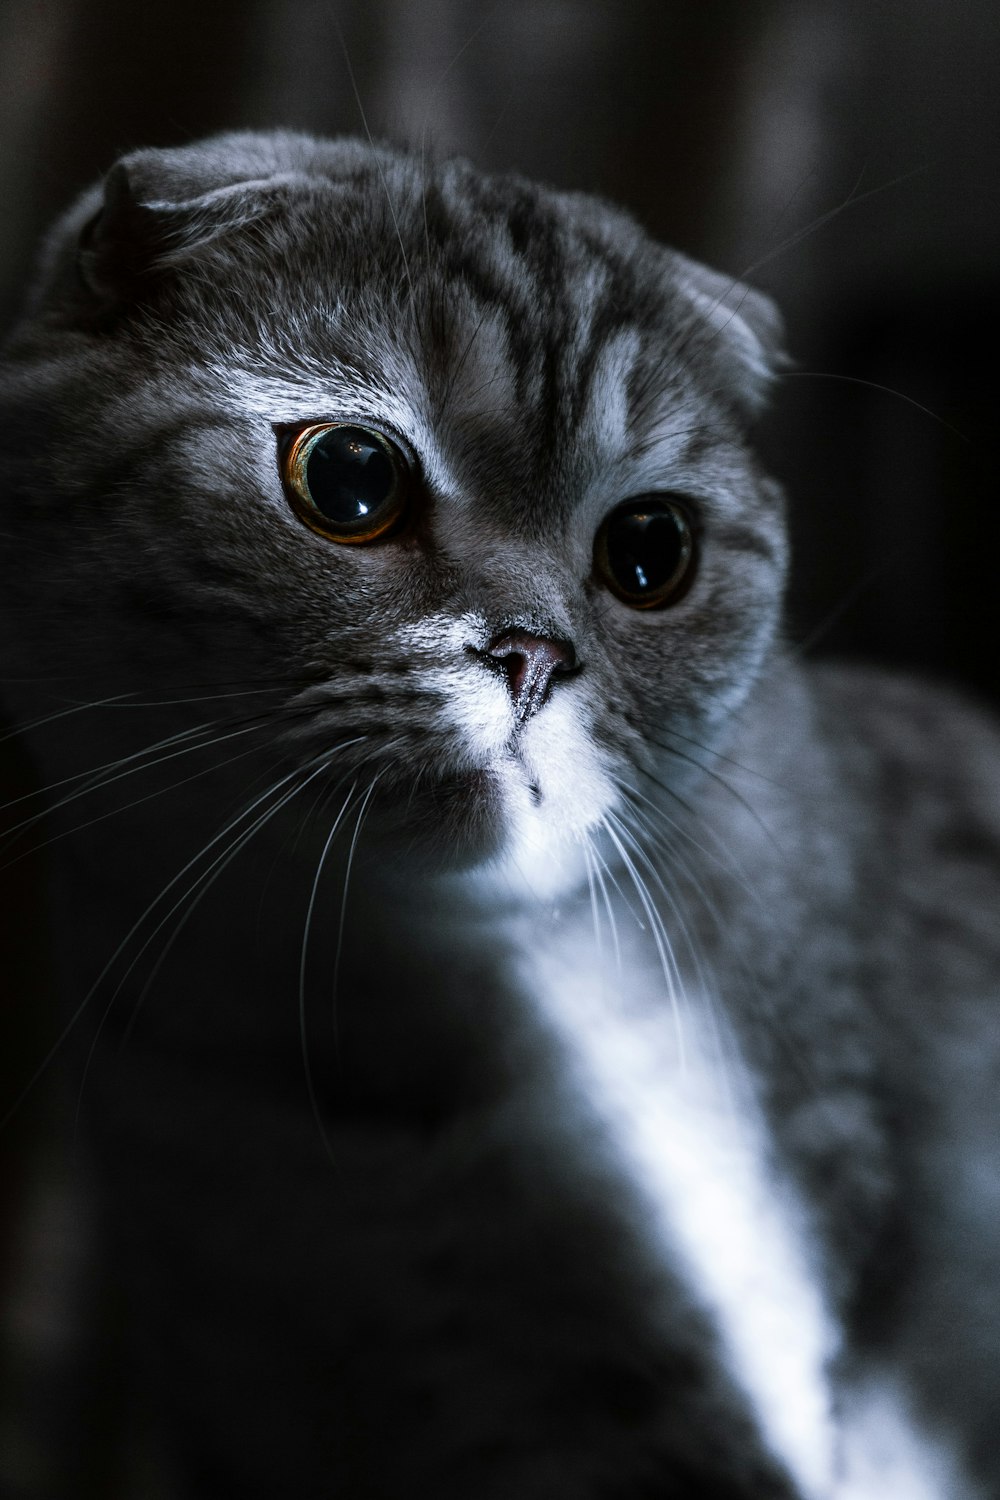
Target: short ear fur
x: 120, y: 241
x: 746, y: 329
x: 160, y: 208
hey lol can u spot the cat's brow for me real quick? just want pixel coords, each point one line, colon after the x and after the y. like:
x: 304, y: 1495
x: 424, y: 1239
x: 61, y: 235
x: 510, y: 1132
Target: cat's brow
x: 607, y: 414
x: 299, y: 397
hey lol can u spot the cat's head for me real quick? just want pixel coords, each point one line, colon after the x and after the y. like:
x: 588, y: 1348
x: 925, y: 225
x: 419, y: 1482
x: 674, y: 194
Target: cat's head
x: 458, y: 461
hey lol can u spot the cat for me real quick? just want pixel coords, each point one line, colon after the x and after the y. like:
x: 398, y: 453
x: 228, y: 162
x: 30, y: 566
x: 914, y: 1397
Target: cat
x: 530, y: 1034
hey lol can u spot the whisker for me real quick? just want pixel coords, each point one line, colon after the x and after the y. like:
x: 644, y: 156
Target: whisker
x: 762, y: 1001
x: 243, y: 839
x: 718, y: 1033
x: 460, y: 365
x: 109, y: 965
x: 135, y: 764
x: 95, y: 780
x: 720, y: 781
x: 205, y: 880
x: 347, y: 879
x: 845, y: 603
x: 724, y: 860
x: 136, y: 801
x: 592, y: 889
x: 96, y: 772
x: 600, y: 872
x: 821, y: 220
x: 61, y: 713
x: 661, y: 941
x: 658, y: 879
x: 307, y: 925
x: 789, y: 242
x: 250, y: 692
x: 378, y: 165
x: 737, y: 765
x: 874, y: 385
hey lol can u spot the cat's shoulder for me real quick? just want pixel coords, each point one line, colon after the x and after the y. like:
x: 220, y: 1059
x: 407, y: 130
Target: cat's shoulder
x: 923, y: 742
x: 891, y: 704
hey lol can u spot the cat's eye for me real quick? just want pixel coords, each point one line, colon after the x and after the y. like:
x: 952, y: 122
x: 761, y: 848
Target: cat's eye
x: 645, y: 553
x: 345, y: 481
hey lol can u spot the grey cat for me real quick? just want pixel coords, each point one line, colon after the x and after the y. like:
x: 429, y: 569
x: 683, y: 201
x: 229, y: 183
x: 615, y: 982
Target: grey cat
x: 535, y: 1038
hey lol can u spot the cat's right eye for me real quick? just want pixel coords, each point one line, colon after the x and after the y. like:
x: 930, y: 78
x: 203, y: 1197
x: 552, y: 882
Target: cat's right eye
x: 346, y: 482
x: 644, y: 552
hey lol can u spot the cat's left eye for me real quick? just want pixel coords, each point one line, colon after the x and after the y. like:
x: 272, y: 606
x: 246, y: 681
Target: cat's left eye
x: 345, y: 481
x: 644, y: 552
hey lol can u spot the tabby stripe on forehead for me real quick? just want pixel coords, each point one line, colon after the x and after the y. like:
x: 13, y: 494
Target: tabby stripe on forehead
x: 585, y: 332
x: 606, y: 323
x: 509, y: 301
x: 540, y: 245
x: 527, y: 276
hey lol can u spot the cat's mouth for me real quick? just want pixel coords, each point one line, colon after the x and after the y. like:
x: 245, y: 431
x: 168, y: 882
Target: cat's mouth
x: 455, y: 821
x: 469, y: 816
x: 489, y: 791
x: 492, y: 782
x: 498, y: 793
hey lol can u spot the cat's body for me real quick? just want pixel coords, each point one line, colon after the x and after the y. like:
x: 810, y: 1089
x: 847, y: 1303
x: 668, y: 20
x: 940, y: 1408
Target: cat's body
x: 577, y: 1075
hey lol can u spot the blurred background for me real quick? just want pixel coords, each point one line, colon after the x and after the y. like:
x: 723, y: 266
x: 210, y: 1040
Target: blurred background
x: 839, y: 154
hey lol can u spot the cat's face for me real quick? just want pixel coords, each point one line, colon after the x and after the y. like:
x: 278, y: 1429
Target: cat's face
x: 569, y: 566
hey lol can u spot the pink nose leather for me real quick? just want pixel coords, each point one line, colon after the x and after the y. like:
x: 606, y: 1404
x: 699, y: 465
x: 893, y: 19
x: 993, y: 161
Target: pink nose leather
x: 530, y: 663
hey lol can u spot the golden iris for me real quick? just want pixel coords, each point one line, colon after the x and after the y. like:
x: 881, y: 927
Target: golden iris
x: 346, y: 482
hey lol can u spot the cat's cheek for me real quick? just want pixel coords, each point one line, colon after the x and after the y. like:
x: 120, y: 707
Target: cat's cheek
x: 474, y: 705
x: 478, y: 710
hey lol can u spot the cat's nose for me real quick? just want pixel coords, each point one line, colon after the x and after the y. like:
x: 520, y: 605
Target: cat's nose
x: 529, y: 663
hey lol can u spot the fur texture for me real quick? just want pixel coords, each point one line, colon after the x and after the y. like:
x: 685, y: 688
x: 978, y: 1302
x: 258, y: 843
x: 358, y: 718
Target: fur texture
x: 593, y: 1103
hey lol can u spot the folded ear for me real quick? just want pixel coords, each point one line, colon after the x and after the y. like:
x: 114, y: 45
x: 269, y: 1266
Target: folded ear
x: 121, y: 240
x: 743, y: 334
x: 158, y: 211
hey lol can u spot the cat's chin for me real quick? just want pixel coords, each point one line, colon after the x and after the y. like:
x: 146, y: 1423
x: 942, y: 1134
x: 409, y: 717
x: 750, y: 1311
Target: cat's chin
x: 457, y: 823
x: 450, y: 825
x: 491, y: 821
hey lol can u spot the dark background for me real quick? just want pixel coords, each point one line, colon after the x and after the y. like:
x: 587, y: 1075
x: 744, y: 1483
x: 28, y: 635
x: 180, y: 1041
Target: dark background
x: 840, y: 154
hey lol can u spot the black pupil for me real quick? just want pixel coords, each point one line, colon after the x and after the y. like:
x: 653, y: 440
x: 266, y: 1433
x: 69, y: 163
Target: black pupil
x: 350, y: 475
x: 646, y: 546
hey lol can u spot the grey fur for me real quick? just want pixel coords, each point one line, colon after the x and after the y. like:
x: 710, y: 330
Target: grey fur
x: 419, y: 1265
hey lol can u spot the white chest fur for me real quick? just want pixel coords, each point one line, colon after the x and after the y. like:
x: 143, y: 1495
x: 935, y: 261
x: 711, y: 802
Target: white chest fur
x: 657, y: 1072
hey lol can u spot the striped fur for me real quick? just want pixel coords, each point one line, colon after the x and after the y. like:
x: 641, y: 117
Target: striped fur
x: 598, y: 1105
